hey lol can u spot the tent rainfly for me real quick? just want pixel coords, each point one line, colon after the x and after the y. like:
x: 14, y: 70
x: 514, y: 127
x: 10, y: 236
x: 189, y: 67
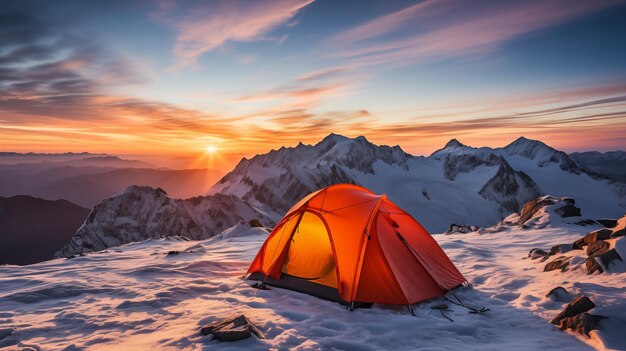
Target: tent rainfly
x: 346, y: 244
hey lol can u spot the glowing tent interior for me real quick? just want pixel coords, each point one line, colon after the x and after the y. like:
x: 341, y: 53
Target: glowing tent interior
x: 345, y: 243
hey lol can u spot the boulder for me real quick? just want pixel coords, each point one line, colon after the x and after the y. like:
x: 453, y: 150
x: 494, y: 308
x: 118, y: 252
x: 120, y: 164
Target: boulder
x: 568, y: 210
x: 596, y: 248
x: 538, y: 253
x: 558, y: 263
x: 600, y: 234
x: 608, y: 257
x: 457, y: 228
x: 586, y: 222
x: 561, y: 248
x: 559, y: 294
x: 592, y: 265
x: 255, y: 223
x: 582, y: 323
x: 609, y: 223
x: 173, y: 252
x: 579, y: 305
x: 232, y: 329
x: 531, y: 207
x: 618, y: 233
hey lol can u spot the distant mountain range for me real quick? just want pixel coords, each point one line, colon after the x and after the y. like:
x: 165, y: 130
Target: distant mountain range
x: 456, y: 184
x: 32, y: 230
x: 611, y: 164
x: 88, y: 179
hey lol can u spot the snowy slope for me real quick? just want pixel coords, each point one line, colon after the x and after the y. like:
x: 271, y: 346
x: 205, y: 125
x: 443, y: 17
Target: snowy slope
x: 611, y: 163
x: 556, y: 174
x: 141, y: 213
x: 457, y: 184
x: 136, y: 297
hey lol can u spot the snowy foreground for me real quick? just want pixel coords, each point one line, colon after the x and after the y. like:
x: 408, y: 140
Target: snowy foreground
x: 136, y: 297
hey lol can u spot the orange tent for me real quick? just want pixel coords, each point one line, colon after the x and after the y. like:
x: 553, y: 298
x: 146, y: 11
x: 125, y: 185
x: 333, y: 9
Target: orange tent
x: 347, y: 244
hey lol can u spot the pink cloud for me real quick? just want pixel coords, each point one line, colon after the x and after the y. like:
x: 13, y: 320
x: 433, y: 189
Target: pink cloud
x: 206, y: 26
x: 443, y: 28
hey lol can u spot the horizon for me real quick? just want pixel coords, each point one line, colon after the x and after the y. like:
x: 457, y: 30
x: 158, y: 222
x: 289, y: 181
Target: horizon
x: 175, y: 79
x: 228, y: 161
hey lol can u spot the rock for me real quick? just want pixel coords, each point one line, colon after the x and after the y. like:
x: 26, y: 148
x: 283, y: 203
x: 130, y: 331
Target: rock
x: 255, y: 223
x: 618, y: 233
x: 586, y: 222
x: 558, y: 263
x: 592, y: 265
x: 561, y: 248
x: 171, y: 253
x: 568, y: 210
x: 232, y: 329
x: 608, y: 257
x: 596, y: 248
x: 559, y: 294
x: 457, y: 228
x: 531, y: 207
x: 609, y: 223
x: 600, y: 234
x: 582, y: 323
x: 579, y: 305
x: 537, y: 253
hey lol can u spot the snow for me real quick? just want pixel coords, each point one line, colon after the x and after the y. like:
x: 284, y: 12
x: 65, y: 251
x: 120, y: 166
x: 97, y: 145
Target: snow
x: 136, y: 297
x: 429, y: 188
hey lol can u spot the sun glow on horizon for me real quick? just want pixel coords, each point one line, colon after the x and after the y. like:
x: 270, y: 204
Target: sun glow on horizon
x: 210, y: 149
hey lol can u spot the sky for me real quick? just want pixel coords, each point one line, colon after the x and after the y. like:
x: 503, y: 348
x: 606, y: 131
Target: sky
x: 243, y: 77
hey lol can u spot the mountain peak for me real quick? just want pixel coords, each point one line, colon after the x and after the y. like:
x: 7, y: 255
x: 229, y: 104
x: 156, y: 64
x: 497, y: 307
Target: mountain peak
x: 138, y: 189
x: 451, y: 146
x: 334, y: 137
x: 522, y: 141
x: 453, y: 143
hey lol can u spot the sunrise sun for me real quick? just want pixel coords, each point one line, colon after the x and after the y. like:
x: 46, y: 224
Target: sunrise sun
x: 210, y: 149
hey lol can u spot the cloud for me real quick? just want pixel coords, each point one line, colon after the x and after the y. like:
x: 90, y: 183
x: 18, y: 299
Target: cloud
x: 46, y: 68
x: 302, y: 94
x: 451, y: 29
x: 206, y: 26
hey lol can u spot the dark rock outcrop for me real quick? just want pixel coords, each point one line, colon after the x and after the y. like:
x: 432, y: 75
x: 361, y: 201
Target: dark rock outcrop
x: 583, y: 323
x: 232, y: 329
x: 534, y: 254
x: 592, y: 265
x: 457, y: 228
x: 510, y: 188
x: 559, y: 294
x: 561, y: 248
x: 579, y: 305
x: 607, y: 222
x: 558, y: 263
x: 606, y: 258
x: 596, y: 248
x: 618, y: 233
x: 600, y: 234
x: 568, y: 210
x: 531, y: 207
x: 255, y: 223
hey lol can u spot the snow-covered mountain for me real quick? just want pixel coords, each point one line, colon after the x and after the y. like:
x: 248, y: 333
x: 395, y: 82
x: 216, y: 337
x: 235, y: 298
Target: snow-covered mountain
x: 141, y: 213
x: 611, y: 163
x: 457, y: 184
